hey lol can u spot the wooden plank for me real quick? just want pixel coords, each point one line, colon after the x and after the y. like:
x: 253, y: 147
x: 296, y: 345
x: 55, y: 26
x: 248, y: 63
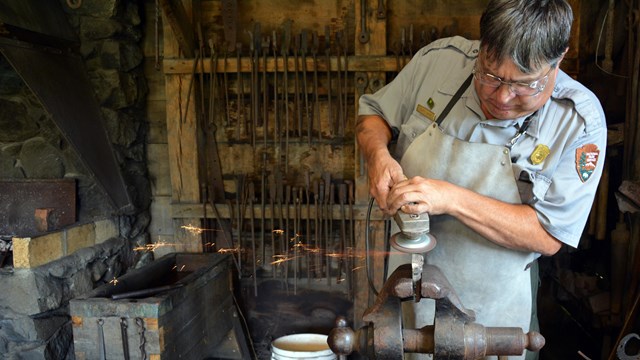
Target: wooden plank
x: 197, y: 210
x: 182, y: 135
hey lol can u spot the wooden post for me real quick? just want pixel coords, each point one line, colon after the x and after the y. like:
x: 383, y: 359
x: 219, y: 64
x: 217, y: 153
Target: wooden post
x: 182, y: 141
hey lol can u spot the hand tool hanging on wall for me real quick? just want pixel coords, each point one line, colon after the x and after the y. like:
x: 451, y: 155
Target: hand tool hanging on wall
x: 340, y: 129
x: 410, y: 43
x: 321, y: 210
x: 225, y: 77
x: 403, y: 41
x: 381, y: 12
x: 252, y: 218
x: 272, y: 206
x: 297, y: 195
x: 345, y: 87
x: 286, y: 44
x: 331, y: 250
x: 364, y: 32
x: 327, y: 224
x: 342, y: 265
x: 281, y: 226
x: 307, y: 190
x: 277, y: 139
x: 229, y: 20
x: 241, y: 128
x: 296, y: 90
x: 316, y: 221
x: 327, y: 55
x: 255, y: 81
x: 304, y: 44
x: 265, y: 127
x: 316, y: 106
x: 252, y: 60
x: 350, y: 239
x: 287, y: 233
x: 240, y: 210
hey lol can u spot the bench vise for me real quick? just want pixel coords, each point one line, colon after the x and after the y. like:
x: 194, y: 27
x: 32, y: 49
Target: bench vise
x: 454, y: 334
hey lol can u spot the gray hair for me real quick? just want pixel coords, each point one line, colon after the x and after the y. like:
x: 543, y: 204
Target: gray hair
x: 531, y: 33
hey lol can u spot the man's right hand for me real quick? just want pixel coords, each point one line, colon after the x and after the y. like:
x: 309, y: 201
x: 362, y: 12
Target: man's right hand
x: 373, y: 134
x: 384, y: 172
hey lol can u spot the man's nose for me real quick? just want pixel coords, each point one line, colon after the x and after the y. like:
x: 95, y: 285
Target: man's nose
x: 504, y: 93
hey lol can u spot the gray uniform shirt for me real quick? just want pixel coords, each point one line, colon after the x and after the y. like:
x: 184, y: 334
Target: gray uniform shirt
x: 571, y: 125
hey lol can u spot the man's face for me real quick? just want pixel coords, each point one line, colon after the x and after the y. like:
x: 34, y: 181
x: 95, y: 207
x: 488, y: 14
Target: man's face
x: 503, y: 102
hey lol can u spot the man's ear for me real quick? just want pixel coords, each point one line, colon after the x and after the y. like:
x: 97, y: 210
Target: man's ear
x: 563, y: 54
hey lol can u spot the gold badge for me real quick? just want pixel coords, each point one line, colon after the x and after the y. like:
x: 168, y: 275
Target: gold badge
x: 426, y: 112
x: 539, y: 154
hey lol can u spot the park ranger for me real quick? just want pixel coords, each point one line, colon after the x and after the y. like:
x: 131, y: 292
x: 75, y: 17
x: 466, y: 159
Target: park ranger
x: 502, y: 148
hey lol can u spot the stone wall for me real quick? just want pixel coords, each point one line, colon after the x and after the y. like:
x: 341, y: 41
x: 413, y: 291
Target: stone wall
x: 34, y: 319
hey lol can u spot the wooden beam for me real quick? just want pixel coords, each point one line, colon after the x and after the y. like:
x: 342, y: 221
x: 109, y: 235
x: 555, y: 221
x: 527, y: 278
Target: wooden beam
x: 176, y: 17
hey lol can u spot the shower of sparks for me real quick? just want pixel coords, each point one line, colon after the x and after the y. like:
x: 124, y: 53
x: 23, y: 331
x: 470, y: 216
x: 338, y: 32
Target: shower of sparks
x: 151, y: 247
x: 114, y: 281
x: 175, y: 267
x: 280, y: 259
x: 278, y: 231
x: 227, y: 250
x: 196, y: 230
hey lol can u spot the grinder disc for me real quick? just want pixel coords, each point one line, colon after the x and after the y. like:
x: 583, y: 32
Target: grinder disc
x: 407, y: 244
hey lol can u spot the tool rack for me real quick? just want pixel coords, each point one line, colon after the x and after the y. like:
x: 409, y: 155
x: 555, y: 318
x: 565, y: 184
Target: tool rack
x: 275, y: 158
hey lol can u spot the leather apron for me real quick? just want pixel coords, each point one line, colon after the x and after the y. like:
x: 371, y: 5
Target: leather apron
x: 491, y: 280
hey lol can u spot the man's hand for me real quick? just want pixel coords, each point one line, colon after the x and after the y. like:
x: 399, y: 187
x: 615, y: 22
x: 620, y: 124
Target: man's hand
x: 384, y: 173
x: 419, y: 195
x: 373, y: 135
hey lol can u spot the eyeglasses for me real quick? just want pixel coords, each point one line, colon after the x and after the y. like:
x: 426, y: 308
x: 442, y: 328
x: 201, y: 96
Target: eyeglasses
x: 517, y: 87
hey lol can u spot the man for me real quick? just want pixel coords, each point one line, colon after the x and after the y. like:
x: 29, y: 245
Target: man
x: 498, y: 145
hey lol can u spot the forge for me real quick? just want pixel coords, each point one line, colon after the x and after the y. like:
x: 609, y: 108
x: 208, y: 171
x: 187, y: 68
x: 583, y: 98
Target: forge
x: 179, y: 306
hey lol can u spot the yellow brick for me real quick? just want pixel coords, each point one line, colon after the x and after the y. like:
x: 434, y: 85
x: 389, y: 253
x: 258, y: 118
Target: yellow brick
x: 79, y: 237
x: 32, y: 252
x: 21, y: 253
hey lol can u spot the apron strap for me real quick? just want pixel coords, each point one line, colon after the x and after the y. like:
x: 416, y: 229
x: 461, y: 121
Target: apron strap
x: 454, y: 99
x: 521, y: 131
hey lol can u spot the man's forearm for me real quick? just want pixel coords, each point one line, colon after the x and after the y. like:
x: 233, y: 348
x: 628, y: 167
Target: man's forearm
x: 373, y: 135
x: 514, y: 226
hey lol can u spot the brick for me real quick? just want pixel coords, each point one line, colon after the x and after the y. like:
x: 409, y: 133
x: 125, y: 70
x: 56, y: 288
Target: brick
x: 79, y: 237
x: 32, y: 252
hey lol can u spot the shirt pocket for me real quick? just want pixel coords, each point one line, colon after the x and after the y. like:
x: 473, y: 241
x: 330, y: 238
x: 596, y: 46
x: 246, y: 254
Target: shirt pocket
x: 410, y: 130
x: 532, y: 186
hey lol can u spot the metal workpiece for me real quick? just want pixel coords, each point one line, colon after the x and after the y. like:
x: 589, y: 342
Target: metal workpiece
x: 454, y: 334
